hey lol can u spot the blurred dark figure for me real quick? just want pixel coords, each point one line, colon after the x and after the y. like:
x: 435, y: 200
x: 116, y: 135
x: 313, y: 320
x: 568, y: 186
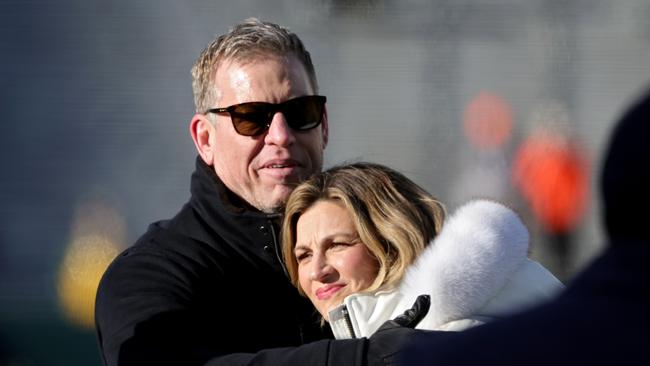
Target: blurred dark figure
x: 602, y: 317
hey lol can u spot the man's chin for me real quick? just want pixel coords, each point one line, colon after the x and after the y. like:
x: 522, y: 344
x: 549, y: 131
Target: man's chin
x: 276, y: 199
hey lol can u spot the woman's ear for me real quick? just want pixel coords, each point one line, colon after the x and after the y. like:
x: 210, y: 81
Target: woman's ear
x: 201, y: 130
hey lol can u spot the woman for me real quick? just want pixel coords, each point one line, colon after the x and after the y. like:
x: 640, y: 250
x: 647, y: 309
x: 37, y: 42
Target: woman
x: 356, y: 243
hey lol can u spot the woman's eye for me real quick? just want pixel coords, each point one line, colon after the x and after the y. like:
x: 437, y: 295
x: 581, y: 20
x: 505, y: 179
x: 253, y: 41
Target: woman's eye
x: 340, y: 245
x: 302, y: 256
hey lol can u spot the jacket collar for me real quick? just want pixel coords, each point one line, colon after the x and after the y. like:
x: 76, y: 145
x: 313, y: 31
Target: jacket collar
x: 211, y: 197
x: 224, y: 221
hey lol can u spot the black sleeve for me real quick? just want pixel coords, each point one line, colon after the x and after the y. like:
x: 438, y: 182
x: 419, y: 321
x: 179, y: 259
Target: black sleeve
x: 144, y: 316
x: 321, y: 353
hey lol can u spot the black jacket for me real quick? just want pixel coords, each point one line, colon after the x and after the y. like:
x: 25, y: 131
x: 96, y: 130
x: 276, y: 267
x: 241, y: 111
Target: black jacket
x: 208, y: 283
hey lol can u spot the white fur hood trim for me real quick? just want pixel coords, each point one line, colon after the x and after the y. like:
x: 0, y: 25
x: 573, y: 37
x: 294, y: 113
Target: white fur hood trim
x: 477, y: 266
x: 479, y: 248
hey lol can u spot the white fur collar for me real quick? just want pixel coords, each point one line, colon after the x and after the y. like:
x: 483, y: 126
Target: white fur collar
x: 478, y: 250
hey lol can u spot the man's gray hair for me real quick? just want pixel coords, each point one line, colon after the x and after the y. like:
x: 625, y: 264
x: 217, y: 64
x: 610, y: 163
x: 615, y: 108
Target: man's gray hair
x: 247, y: 41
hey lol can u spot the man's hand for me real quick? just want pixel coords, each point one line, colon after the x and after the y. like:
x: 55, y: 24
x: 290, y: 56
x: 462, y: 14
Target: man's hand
x: 386, y: 343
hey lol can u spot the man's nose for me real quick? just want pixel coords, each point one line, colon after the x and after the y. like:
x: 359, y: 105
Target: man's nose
x: 279, y: 131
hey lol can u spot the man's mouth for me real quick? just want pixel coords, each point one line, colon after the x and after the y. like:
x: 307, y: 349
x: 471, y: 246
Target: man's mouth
x: 282, y: 169
x: 281, y: 163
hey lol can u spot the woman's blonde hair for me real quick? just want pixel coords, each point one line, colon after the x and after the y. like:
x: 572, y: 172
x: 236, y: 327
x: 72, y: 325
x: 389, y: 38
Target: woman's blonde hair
x: 393, y: 216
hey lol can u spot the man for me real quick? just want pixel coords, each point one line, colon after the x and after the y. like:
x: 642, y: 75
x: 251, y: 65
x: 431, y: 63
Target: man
x: 602, y: 317
x: 209, y: 286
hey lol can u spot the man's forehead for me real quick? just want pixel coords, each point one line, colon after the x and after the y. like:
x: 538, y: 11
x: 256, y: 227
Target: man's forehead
x: 250, y: 75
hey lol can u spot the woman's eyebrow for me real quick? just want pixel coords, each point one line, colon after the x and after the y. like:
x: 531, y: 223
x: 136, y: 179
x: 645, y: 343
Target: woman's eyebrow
x: 334, y: 237
x: 301, y: 246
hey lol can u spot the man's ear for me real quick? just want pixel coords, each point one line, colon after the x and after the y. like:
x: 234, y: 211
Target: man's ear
x: 201, y: 129
x: 326, y: 128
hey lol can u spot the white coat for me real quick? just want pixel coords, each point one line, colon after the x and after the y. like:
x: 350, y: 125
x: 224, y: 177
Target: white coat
x: 475, y: 270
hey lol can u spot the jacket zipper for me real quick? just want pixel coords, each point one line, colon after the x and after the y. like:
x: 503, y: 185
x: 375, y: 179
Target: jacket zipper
x: 341, y: 323
x: 276, y: 247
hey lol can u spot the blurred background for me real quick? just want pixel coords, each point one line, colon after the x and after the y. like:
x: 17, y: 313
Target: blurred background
x: 504, y: 99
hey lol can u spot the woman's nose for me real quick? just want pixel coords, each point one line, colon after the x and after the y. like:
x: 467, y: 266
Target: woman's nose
x: 321, y: 270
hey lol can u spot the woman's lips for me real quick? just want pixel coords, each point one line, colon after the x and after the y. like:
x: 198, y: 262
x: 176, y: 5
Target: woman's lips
x: 328, y: 291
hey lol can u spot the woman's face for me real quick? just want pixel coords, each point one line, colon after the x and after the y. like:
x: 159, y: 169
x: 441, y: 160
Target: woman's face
x: 332, y: 261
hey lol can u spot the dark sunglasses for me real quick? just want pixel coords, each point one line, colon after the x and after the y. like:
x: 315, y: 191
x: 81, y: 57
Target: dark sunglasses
x: 254, y: 118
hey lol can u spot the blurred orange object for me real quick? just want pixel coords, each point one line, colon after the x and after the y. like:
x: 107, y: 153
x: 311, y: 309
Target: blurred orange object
x: 488, y: 121
x: 552, y: 174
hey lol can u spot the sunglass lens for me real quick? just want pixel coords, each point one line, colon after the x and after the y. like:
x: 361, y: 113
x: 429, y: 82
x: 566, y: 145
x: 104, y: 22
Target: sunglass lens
x: 250, y: 119
x: 304, y: 113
